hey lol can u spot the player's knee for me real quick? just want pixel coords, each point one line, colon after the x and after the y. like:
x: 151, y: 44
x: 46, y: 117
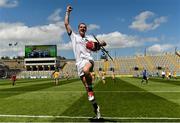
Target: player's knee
x: 87, y: 68
x: 86, y: 71
x: 91, y: 96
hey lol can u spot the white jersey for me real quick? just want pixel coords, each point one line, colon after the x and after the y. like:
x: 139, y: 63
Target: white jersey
x: 163, y: 73
x: 81, y: 53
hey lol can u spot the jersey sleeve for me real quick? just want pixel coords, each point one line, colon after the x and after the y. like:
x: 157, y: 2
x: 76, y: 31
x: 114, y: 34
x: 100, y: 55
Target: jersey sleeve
x: 73, y: 37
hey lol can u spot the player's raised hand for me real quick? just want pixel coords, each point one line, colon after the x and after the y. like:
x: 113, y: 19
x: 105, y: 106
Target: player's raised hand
x: 69, y: 8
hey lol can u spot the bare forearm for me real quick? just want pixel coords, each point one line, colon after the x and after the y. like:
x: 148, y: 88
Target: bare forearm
x: 66, y: 19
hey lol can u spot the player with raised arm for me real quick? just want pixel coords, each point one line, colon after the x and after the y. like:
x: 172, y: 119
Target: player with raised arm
x: 82, y: 48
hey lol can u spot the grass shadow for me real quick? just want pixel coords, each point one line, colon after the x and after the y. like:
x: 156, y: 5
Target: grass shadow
x: 16, y: 90
x: 27, y: 81
x: 123, y: 104
x: 160, y: 80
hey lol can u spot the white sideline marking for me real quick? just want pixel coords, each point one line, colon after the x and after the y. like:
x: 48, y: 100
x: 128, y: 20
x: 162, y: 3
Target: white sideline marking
x: 94, y: 91
x: 81, y: 117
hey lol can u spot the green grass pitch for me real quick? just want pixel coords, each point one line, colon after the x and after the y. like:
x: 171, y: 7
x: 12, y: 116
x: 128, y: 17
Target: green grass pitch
x: 126, y: 99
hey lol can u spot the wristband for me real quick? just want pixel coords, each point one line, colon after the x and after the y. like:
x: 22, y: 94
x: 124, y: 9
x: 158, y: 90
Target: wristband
x: 67, y: 13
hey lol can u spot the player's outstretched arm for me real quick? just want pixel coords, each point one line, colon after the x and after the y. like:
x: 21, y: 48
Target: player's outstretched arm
x: 66, y: 19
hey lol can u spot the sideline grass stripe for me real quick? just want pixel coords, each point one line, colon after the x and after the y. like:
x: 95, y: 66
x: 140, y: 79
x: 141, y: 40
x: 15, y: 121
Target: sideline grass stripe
x: 81, y: 117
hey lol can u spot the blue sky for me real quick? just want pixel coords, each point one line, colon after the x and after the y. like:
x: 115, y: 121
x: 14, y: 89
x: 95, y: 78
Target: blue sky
x: 128, y: 26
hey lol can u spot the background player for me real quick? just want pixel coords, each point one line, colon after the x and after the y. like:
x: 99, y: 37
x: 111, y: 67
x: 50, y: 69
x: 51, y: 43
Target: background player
x: 145, y: 76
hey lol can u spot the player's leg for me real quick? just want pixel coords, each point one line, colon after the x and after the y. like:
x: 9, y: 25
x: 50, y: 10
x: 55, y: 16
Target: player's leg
x: 56, y: 81
x: 91, y: 97
x: 87, y: 81
x: 142, y: 80
x: 13, y: 82
x: 146, y: 80
x: 103, y: 79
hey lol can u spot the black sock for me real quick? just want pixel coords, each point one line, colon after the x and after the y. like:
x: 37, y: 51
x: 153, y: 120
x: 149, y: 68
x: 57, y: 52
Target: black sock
x: 95, y: 106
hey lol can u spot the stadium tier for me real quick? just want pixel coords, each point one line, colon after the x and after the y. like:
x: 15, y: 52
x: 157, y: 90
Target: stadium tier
x: 134, y: 65
x: 14, y: 63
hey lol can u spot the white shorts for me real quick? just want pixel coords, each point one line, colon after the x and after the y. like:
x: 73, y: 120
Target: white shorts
x: 80, y: 65
x: 103, y: 77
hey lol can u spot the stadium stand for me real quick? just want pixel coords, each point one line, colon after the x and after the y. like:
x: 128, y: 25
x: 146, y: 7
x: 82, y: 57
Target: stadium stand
x: 14, y: 63
x: 3, y: 70
x: 135, y: 64
x: 132, y: 65
x: 70, y: 68
x: 8, y: 68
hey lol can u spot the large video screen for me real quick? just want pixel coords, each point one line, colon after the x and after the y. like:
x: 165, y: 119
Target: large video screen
x: 40, y: 51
